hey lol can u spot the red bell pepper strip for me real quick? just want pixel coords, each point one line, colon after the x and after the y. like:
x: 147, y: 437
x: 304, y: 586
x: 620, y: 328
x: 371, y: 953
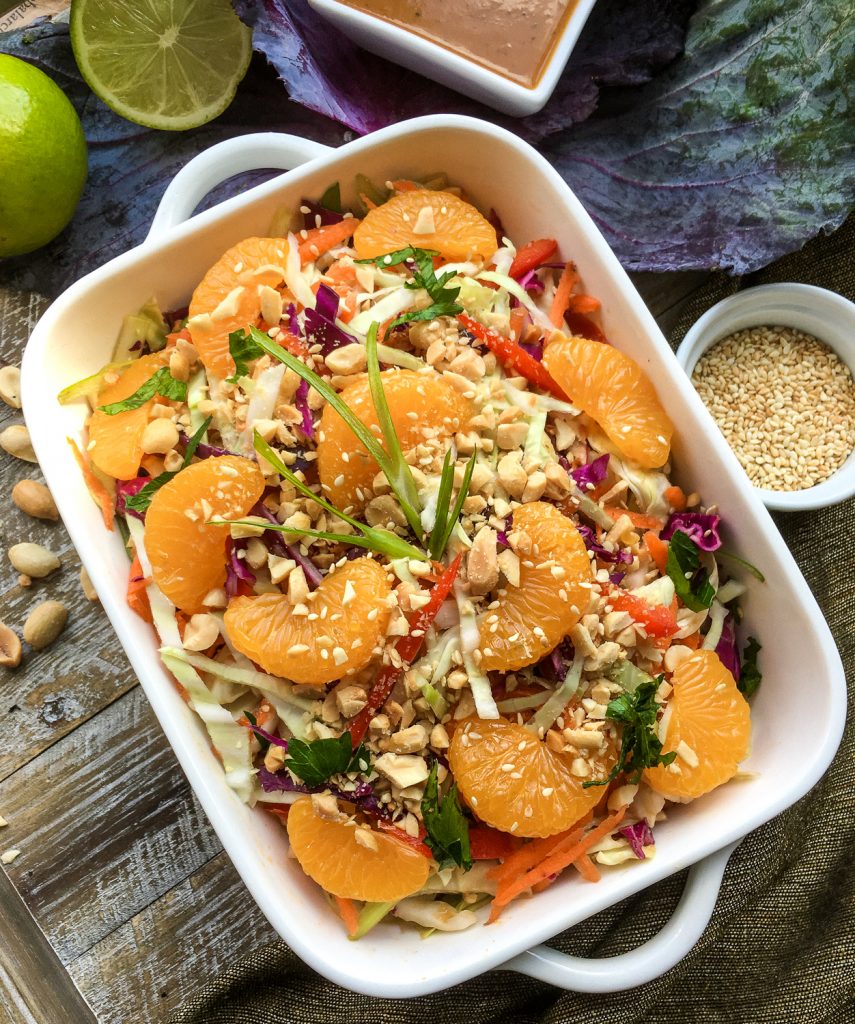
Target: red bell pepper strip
x: 532, y: 255
x: 583, y: 327
x: 487, y: 843
x: 407, y: 647
x: 414, y: 842
x: 513, y: 357
x: 656, y: 619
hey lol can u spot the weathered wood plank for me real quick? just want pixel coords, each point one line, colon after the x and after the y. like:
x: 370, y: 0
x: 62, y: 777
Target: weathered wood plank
x: 34, y: 986
x: 105, y: 822
x: 143, y: 970
x: 51, y: 692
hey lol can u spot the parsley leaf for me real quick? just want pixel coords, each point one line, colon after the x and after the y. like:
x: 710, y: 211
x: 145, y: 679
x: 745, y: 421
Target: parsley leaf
x: 750, y: 677
x: 315, y: 762
x: 691, y: 582
x: 443, y: 298
x: 640, y: 745
x: 140, y: 501
x: 243, y: 348
x: 447, y: 828
x: 160, y: 383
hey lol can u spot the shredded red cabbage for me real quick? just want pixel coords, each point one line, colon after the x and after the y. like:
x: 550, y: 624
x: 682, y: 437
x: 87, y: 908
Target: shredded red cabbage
x: 237, y: 571
x: 124, y: 489
x: 277, y: 741
x: 206, y: 451
x: 534, y: 349
x: 320, y: 322
x: 301, y: 402
x: 593, y: 473
x: 727, y: 650
x: 530, y: 281
x: 638, y: 836
x: 604, y: 555
x: 310, y: 219
x: 702, y: 527
x: 363, y: 795
x: 275, y: 542
x: 293, y: 322
x: 502, y: 535
x: 616, y: 578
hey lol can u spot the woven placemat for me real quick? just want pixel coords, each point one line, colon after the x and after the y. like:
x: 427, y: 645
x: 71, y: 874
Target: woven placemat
x: 781, y: 944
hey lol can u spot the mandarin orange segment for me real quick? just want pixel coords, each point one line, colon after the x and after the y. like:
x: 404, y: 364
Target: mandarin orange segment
x: 378, y: 869
x: 349, y: 613
x: 188, y: 557
x: 555, y: 578
x: 419, y: 405
x: 428, y: 220
x: 709, y: 725
x: 114, y: 441
x: 229, y: 295
x: 613, y: 390
x: 514, y: 782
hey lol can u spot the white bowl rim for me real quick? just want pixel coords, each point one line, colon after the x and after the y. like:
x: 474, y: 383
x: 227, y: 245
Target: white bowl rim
x: 525, y: 99
x: 706, y: 332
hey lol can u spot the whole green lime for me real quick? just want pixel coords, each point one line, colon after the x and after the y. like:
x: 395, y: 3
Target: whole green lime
x: 42, y: 158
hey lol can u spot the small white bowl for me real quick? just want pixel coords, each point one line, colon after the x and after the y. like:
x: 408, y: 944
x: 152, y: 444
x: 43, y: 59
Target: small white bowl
x: 412, y: 51
x: 817, y: 311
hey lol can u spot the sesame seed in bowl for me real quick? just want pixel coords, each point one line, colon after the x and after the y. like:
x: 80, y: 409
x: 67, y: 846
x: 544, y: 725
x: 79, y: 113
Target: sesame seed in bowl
x: 775, y: 365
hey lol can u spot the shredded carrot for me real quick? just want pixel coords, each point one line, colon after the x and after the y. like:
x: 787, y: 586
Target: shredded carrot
x: 137, y: 597
x: 347, y: 909
x: 320, y: 240
x: 693, y: 640
x: 278, y: 811
x: 658, y: 550
x: 518, y: 315
x: 583, y: 304
x: 532, y: 853
x: 96, y: 488
x: 676, y: 498
x: 171, y: 339
x: 368, y: 203
x: 639, y: 519
x: 587, y: 868
x: 405, y: 185
x: 561, y: 301
x: 565, y: 854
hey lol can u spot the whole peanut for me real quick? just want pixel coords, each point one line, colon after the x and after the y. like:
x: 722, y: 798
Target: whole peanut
x: 44, y: 624
x: 34, y: 499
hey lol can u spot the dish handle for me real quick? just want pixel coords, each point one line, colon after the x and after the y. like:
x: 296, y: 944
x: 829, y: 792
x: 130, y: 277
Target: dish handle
x: 648, y: 961
x: 222, y: 161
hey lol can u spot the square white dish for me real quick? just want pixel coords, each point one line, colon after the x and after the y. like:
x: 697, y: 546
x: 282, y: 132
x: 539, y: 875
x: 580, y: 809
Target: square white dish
x: 803, y: 675
x: 474, y: 80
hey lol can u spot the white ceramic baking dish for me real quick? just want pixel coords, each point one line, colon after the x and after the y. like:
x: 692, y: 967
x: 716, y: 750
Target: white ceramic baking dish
x: 803, y: 677
x: 477, y: 81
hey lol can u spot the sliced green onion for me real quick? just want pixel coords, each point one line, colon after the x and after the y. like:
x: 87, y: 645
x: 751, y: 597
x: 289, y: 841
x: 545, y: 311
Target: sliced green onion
x: 443, y: 500
x: 730, y: 556
x: 451, y: 522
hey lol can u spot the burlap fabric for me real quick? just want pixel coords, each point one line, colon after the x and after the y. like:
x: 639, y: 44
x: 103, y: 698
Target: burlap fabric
x: 781, y: 944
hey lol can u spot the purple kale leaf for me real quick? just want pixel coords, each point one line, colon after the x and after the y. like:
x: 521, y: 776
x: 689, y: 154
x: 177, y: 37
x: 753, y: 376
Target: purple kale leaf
x: 734, y: 156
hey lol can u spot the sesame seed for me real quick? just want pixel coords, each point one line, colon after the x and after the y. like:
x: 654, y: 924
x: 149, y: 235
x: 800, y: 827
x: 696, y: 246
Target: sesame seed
x: 785, y: 403
x: 547, y: 791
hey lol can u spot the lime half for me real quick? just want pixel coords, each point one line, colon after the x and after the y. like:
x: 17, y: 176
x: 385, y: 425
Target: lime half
x: 171, y: 64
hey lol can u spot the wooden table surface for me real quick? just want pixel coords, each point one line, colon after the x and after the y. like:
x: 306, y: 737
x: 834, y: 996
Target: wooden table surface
x: 121, y: 892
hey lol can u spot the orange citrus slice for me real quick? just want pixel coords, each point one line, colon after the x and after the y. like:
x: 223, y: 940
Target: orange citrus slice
x: 427, y: 220
x: 555, y: 579
x: 188, y: 558
x: 377, y: 870
x: 419, y: 404
x: 613, y: 390
x: 709, y: 725
x: 114, y: 441
x: 349, y: 613
x: 514, y: 782
x: 229, y: 294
